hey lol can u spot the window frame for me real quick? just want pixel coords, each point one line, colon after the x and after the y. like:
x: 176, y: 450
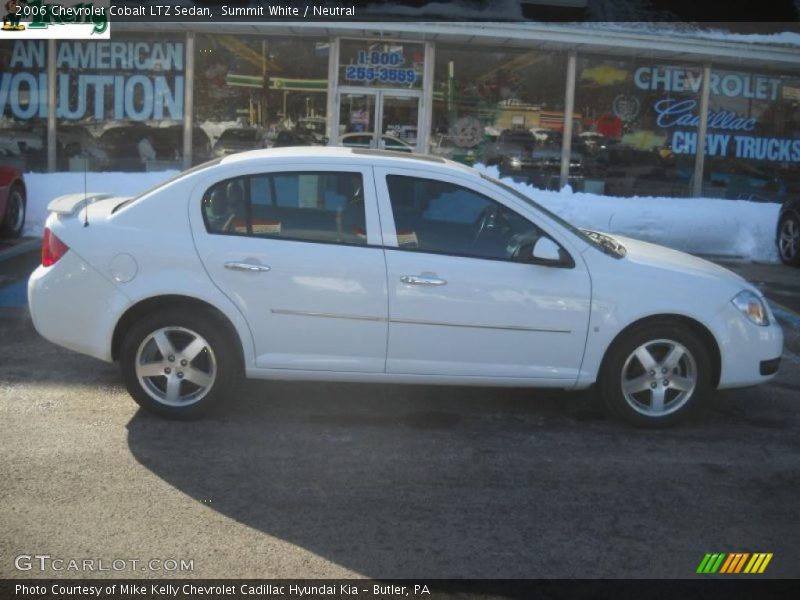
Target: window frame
x: 478, y: 187
x: 372, y: 222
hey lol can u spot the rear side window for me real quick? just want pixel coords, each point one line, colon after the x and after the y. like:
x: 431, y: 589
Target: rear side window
x: 310, y: 206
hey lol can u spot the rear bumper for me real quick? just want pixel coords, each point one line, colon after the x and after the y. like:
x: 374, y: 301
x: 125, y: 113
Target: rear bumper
x: 72, y: 305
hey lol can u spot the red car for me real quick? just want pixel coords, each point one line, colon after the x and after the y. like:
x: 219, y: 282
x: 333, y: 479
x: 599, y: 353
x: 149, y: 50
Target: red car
x: 12, y: 202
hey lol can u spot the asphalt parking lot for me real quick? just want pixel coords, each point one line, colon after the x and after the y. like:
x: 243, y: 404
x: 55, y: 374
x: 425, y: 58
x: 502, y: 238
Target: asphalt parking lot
x: 328, y: 480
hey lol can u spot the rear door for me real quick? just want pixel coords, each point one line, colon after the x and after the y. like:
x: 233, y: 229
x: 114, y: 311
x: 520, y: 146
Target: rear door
x: 298, y: 250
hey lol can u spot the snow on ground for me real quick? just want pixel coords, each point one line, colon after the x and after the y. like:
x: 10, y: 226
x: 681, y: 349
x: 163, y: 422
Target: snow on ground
x: 697, y: 225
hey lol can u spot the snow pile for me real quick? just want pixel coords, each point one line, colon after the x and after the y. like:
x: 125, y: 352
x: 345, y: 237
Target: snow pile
x: 735, y: 228
x: 697, y: 225
x: 43, y: 187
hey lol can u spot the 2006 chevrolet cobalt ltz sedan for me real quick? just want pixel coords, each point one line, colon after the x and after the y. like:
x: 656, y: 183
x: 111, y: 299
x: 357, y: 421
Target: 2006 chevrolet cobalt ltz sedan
x: 359, y: 265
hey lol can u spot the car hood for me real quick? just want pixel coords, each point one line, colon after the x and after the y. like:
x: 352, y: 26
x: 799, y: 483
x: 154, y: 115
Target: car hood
x: 660, y: 257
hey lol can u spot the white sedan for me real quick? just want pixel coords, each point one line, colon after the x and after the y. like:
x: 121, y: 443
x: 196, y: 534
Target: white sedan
x: 343, y: 264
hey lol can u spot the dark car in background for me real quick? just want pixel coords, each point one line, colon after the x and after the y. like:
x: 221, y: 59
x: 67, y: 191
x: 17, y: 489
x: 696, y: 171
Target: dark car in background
x: 788, y: 233
x: 121, y: 145
x: 24, y: 147
x: 78, y: 148
x: 294, y: 137
x: 512, y: 151
x: 13, y: 201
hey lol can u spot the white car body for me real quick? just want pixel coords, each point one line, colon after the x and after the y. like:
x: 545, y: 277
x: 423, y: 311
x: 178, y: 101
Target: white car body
x: 324, y: 311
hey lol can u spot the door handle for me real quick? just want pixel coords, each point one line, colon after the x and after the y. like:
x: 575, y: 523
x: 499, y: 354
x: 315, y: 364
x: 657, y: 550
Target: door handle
x: 422, y: 280
x: 245, y: 266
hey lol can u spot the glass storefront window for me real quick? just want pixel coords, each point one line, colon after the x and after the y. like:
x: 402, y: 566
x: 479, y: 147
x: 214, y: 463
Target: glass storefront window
x: 753, y: 141
x: 638, y: 129
x: 120, y: 104
x: 260, y: 91
x: 23, y: 97
x: 501, y: 107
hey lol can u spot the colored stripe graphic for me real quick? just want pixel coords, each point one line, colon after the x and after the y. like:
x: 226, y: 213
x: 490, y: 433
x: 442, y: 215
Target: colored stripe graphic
x: 711, y: 563
x: 758, y: 563
x: 741, y: 562
x: 728, y: 564
x: 734, y: 562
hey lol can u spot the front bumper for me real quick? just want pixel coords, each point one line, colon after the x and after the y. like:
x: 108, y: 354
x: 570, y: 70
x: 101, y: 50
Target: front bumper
x: 749, y: 354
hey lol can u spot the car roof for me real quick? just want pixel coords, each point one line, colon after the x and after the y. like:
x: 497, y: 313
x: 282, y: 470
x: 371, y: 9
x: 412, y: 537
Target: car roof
x: 344, y: 153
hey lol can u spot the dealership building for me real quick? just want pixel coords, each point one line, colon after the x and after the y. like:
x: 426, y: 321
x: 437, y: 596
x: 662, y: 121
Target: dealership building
x: 626, y: 111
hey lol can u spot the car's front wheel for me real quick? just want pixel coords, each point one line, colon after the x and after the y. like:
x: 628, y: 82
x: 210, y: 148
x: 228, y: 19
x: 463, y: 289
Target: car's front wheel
x: 178, y: 363
x: 655, y: 375
x: 789, y: 240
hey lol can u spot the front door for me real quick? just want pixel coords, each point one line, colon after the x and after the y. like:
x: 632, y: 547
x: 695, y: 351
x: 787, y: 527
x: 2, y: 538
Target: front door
x: 463, y: 298
x: 380, y: 119
x: 298, y: 251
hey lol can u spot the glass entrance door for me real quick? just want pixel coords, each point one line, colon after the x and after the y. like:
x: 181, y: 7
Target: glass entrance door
x: 378, y: 119
x: 357, y: 119
x: 399, y: 119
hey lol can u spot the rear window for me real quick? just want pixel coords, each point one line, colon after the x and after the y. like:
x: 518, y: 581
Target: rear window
x: 310, y: 206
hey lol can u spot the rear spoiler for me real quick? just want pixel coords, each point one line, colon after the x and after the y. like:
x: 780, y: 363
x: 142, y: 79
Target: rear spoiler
x: 71, y: 204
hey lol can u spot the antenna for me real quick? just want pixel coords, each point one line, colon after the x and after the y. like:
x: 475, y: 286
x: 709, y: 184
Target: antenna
x: 85, y: 191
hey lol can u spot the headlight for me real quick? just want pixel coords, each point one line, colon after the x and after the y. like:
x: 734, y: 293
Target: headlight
x: 752, y: 307
x: 516, y: 161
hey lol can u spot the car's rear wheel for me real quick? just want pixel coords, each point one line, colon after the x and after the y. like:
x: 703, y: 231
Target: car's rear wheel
x: 655, y: 375
x: 178, y: 363
x: 14, y: 217
x: 789, y: 240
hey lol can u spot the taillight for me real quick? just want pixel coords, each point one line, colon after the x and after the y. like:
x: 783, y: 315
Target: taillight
x: 52, y: 248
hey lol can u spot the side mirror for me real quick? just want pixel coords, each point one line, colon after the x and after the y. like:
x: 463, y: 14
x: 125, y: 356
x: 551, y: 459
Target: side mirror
x: 545, y: 251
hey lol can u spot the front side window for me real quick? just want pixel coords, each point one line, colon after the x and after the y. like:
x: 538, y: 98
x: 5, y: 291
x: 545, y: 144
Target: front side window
x: 444, y: 218
x: 311, y: 206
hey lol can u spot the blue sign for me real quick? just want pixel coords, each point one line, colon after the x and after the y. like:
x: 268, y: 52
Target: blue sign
x: 383, y: 67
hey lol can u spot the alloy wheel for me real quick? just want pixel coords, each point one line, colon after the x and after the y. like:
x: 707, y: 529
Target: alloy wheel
x: 659, y: 377
x: 176, y: 366
x: 789, y: 239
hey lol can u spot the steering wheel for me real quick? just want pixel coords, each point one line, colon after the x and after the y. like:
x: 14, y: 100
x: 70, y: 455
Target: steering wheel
x: 490, y: 218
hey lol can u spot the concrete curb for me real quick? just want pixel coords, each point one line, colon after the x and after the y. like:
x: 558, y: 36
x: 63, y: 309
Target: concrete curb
x: 22, y: 248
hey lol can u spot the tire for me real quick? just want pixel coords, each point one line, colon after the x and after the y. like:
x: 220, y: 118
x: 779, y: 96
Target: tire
x: 659, y: 345
x: 788, y: 240
x: 14, y: 217
x: 179, y: 364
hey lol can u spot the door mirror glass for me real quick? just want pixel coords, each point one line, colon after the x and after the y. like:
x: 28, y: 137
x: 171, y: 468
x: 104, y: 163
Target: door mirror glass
x: 546, y: 250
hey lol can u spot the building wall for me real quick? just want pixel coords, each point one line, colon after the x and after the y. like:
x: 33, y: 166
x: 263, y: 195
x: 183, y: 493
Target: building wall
x: 635, y: 123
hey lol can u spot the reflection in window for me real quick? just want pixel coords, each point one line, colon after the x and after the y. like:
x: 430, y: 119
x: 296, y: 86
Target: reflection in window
x: 753, y: 141
x: 312, y: 206
x: 253, y: 92
x: 440, y: 217
x: 499, y: 107
x: 638, y: 127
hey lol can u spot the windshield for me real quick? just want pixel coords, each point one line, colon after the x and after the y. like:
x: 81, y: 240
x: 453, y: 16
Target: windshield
x: 592, y: 240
